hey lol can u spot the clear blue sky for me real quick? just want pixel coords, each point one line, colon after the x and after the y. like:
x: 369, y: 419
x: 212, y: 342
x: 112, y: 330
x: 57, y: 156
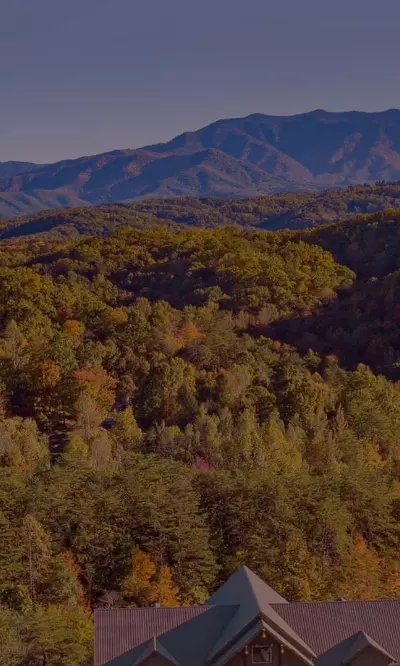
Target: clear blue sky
x: 85, y: 76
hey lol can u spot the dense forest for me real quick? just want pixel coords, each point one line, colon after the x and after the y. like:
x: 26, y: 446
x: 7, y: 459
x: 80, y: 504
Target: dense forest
x: 291, y: 210
x: 176, y: 402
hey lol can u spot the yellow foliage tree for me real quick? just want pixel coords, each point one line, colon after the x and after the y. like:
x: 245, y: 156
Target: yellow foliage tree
x: 137, y: 583
x: 164, y: 591
x: 145, y: 584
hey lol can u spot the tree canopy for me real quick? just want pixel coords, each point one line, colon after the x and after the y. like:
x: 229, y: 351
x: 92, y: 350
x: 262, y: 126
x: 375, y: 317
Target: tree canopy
x: 176, y: 402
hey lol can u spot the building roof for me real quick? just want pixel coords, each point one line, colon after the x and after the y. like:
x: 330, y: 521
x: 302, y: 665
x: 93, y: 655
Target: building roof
x: 208, y: 626
x: 324, y: 633
x: 324, y: 625
x: 245, y: 583
x: 255, y: 598
x: 347, y: 651
x: 118, y: 630
x: 154, y: 646
x: 361, y: 642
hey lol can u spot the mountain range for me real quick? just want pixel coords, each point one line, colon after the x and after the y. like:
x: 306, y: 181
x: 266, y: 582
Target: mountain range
x: 259, y: 154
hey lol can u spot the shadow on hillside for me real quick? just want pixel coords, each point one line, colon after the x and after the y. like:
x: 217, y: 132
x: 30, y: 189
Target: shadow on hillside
x: 361, y: 326
x: 35, y: 226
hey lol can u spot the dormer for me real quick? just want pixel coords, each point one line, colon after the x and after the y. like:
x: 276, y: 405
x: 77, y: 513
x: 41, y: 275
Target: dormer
x: 357, y: 650
x: 364, y: 651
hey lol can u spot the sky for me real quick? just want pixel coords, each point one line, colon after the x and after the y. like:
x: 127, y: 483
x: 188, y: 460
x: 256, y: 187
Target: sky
x: 80, y: 77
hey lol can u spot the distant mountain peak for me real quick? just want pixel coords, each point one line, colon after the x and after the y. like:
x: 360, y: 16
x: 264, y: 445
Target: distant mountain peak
x: 257, y: 154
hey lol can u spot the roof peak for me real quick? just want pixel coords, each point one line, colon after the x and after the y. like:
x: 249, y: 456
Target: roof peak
x: 245, y: 586
x: 254, y: 600
x: 360, y: 642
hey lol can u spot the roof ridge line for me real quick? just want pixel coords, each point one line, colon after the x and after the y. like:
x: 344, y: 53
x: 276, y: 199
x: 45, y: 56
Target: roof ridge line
x: 146, y: 608
x: 335, y: 601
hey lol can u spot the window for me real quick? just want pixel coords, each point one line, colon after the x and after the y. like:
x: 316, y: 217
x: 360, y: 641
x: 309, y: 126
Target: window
x: 261, y: 654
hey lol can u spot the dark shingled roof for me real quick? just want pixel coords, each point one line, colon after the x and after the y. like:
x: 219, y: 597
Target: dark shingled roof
x: 324, y: 625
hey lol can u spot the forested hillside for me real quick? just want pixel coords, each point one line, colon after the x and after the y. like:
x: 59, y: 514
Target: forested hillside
x: 282, y: 211
x: 176, y: 402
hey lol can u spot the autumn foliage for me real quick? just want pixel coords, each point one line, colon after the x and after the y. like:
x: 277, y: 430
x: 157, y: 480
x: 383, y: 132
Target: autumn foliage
x: 147, y: 584
x: 177, y: 402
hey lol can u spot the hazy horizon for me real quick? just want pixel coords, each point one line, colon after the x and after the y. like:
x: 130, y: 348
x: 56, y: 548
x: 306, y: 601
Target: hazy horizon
x: 86, y: 78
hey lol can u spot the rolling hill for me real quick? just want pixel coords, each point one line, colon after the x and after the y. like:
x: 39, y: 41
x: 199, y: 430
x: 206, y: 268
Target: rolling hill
x: 259, y: 154
x: 291, y: 210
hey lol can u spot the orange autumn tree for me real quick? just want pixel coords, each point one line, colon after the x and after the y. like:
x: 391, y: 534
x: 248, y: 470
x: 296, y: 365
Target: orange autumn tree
x: 177, y: 339
x: 146, y: 583
x: 74, y: 329
x: 361, y: 575
x: 136, y: 585
x: 97, y: 384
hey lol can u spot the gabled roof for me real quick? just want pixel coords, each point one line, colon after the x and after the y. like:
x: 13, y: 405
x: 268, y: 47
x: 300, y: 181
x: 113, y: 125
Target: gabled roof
x: 250, y: 634
x: 361, y: 642
x: 154, y: 647
x: 239, y: 611
x: 254, y: 598
x: 346, y: 651
x: 191, y: 642
x: 326, y: 625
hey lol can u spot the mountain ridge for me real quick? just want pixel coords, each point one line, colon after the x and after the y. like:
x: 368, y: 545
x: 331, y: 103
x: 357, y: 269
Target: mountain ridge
x: 255, y: 155
x: 289, y: 210
x: 13, y: 168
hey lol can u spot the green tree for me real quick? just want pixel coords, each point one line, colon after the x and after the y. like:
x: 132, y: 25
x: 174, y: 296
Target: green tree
x: 12, y: 648
x: 59, y: 636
